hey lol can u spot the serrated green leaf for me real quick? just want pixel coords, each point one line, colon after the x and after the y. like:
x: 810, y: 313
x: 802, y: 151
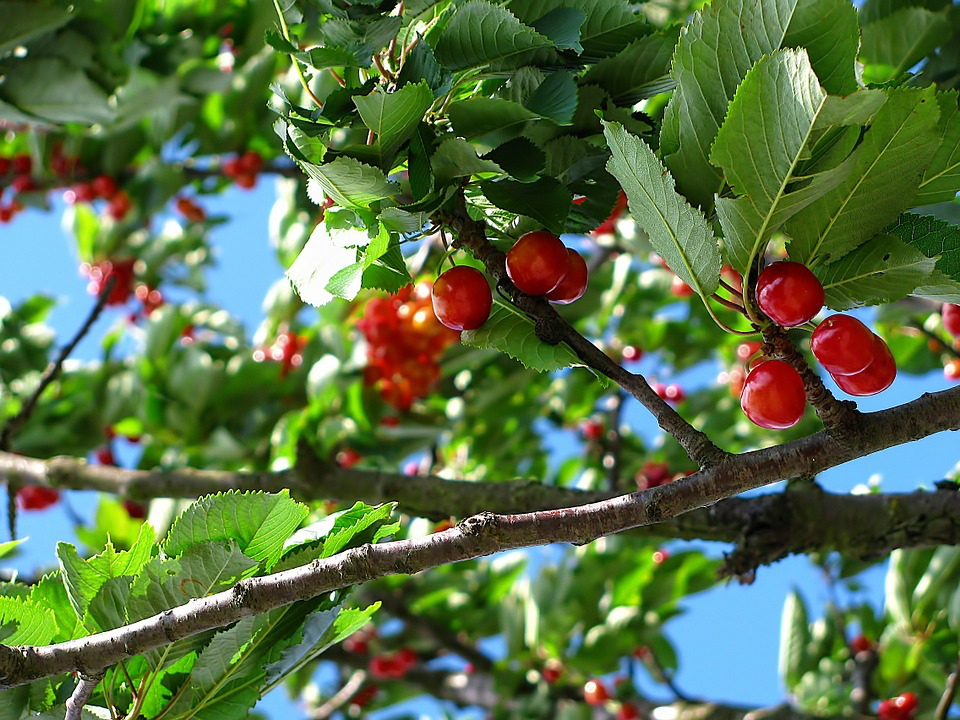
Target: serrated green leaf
x: 321, y: 630
x: 393, y: 117
x: 25, y: 623
x: 401, y: 221
x: 317, y: 264
x: 941, y: 180
x: 562, y: 26
x: 895, y: 43
x: 555, y: 98
x: 545, y: 200
x: 83, y: 578
x: 932, y: 236
x: 678, y: 232
x: 9, y: 547
x: 389, y: 273
x: 108, y: 608
x: 259, y: 522
x: 481, y: 117
x: 640, y: 70
x: 886, y: 172
x: 520, y: 158
x: 794, y: 638
x: 327, y: 57
x: 351, y: 183
x: 51, y: 592
x: 361, y: 524
x: 830, y: 32
x: 480, y: 33
x: 936, y: 585
x: 881, y: 270
x: 857, y: 108
x: 58, y: 91
x: 361, y: 38
x: 457, y: 158
x: 421, y: 65
x: 510, y: 331
x: 940, y: 288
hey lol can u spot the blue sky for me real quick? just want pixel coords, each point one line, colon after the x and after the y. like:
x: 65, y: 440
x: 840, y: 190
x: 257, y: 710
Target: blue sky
x: 728, y: 639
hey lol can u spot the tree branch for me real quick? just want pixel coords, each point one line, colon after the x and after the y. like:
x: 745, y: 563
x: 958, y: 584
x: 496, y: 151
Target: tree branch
x: 765, y: 528
x: 81, y: 695
x: 552, y: 328
x: 949, y: 693
x: 479, y: 536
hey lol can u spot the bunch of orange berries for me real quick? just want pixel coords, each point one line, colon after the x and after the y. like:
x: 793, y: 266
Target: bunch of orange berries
x: 405, y: 341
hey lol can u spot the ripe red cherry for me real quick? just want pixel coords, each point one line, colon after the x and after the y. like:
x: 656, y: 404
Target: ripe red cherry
x: 537, y: 262
x: 631, y: 353
x: 789, y: 293
x: 552, y: 673
x: 348, y: 457
x: 595, y: 692
x: 34, y: 497
x: 104, y: 186
x: 135, y: 510
x: 574, y: 282
x: 609, y: 226
x: 860, y: 643
x: 876, y: 377
x: 951, y: 371
x: 843, y: 345
x: 747, y: 350
x: 628, y: 711
x: 592, y: 429
x: 773, y: 395
x: 951, y: 319
x: 461, y: 298
x: 907, y: 701
x: 22, y: 164
x: 679, y: 288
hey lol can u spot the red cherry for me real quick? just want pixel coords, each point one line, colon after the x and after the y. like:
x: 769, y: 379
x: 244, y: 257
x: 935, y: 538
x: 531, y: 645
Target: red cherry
x: 679, y: 288
x: 574, y: 282
x: 951, y: 319
x: 231, y: 166
x: 733, y: 277
x: 5, y: 165
x: 461, y: 298
x: 628, y: 711
x: 119, y: 206
x: 250, y: 162
x: 551, y: 673
x: 609, y: 226
x: 660, y: 556
x: 364, y: 695
x: 737, y: 378
x: 592, y: 429
x: 747, y: 350
x: 595, y: 693
x: 876, y: 377
x: 674, y: 394
x: 135, y: 509
x: 105, y: 186
x: 843, y: 345
x: 773, y: 395
x: 34, y: 497
x: 6, y: 213
x: 537, y: 262
x: 382, y: 667
x: 23, y: 183
x: 951, y: 371
x: 861, y: 643
x: 789, y: 293
x: 907, y: 701
x: 888, y: 710
x: 84, y: 193
x: 105, y: 456
x: 631, y: 353
x: 246, y: 180
x: 348, y: 458
x: 653, y: 474
x: 406, y: 658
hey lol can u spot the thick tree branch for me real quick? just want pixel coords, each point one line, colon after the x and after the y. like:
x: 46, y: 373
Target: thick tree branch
x: 552, y: 328
x: 765, y: 528
x: 479, y: 536
x: 81, y: 695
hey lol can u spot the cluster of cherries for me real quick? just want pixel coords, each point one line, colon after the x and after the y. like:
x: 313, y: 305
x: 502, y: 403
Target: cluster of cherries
x: 538, y: 264
x: 102, y: 187
x: 122, y: 273
x: 15, y: 174
x: 859, y: 361
x: 244, y: 168
x: 286, y: 350
x: 951, y: 323
x: 405, y: 341
x: 190, y: 210
x: 595, y: 693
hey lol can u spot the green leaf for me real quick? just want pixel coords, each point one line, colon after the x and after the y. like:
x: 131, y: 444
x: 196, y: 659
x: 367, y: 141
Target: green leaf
x: 932, y: 236
x: 794, y: 638
x: 23, y: 21
x: 108, y: 608
x: 898, y: 587
x: 555, y: 98
x: 830, y: 31
x: 10, y: 546
x: 520, y: 158
x: 394, y: 116
x: 401, y: 221
x: 640, y: 70
x: 51, y: 592
x: 938, y: 582
x: 894, y: 44
x: 562, y: 25
x: 259, y: 522
x: 327, y: 57
x: 480, y: 33
x: 23, y: 622
x: 351, y: 183
x: 858, y: 108
x: 887, y: 167
x: 678, y: 232
x: 361, y: 38
x: 361, y: 524
x: 321, y: 630
x: 941, y: 180
x: 57, y: 90
x: 881, y: 270
x: 510, y: 331
x: 458, y: 158
x: 761, y: 142
x: 389, y: 273
x: 545, y: 200
x: 421, y: 65
x: 83, y: 578
x: 481, y: 117
x: 321, y: 259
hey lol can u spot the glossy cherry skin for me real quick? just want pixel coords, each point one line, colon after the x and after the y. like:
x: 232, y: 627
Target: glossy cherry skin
x: 789, y: 293
x: 951, y: 371
x: 35, y: 497
x: 574, y: 283
x: 595, y: 692
x: 773, y: 395
x: 461, y: 298
x: 843, y: 345
x: 537, y: 262
x: 951, y: 319
x: 875, y: 378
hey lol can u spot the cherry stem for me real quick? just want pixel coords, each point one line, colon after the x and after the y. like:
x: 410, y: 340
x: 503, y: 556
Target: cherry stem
x: 730, y: 289
x: 381, y: 68
x: 336, y: 76
x: 721, y: 324
x: 730, y: 304
x: 296, y: 63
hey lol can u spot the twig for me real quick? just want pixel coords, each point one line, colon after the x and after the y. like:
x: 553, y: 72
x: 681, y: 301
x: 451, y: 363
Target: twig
x: 296, y: 63
x: 662, y: 676
x: 341, y: 697
x: 381, y: 68
x: 81, y: 695
x: 949, y: 693
x: 946, y: 345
